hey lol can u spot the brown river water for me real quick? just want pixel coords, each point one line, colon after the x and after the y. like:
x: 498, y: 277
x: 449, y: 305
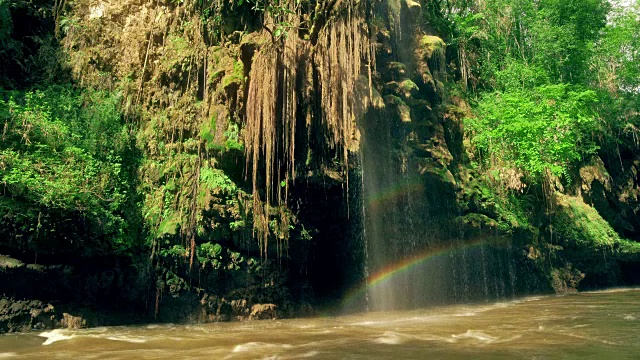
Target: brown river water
x: 596, y: 325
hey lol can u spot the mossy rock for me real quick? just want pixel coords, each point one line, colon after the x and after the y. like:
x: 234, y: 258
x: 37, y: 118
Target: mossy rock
x: 432, y: 46
x: 403, y: 110
x: 477, y: 221
x: 396, y: 68
x: 414, y: 6
x: 235, y: 77
x: 405, y: 88
x: 580, y: 224
x: 409, y: 88
x: 442, y: 173
x: 590, y: 243
x: 566, y: 279
x: 594, y: 170
x: 7, y: 262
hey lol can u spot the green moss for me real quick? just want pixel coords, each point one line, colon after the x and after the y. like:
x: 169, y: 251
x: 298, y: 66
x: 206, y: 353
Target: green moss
x: 432, y: 45
x: 177, y: 53
x: 590, y: 243
x: 397, y: 68
x: 216, y: 180
x: 169, y: 225
x: 408, y: 87
x: 208, y: 130
x: 477, y: 221
x: 579, y: 224
x: 629, y: 250
x: 404, y: 112
x: 234, y: 77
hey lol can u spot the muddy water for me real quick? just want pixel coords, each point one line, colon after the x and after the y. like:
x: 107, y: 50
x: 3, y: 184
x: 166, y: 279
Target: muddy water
x: 601, y: 325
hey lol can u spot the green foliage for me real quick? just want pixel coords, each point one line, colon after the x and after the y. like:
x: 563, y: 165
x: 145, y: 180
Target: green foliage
x: 564, y: 33
x: 6, y: 25
x: 556, y: 36
x: 518, y: 75
x: 63, y: 151
x: 174, y: 252
x: 554, y: 81
x: 209, y: 255
x: 617, y: 59
x: 208, y: 130
x: 546, y: 127
x: 212, y: 258
x: 169, y: 225
x: 276, y: 10
x: 217, y: 181
x: 231, y: 136
x: 29, y: 50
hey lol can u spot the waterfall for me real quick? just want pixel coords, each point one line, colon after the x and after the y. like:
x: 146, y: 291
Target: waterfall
x: 417, y: 255
x: 344, y: 101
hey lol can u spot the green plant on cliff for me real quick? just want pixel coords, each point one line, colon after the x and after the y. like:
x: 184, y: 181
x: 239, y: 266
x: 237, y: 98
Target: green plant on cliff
x: 540, y: 107
x: 277, y: 11
x: 553, y: 84
x: 63, y: 160
x: 536, y: 129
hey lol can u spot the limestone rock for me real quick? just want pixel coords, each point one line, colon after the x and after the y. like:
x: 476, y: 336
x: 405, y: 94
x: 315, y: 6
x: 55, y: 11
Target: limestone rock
x: 263, y: 312
x: 72, y: 322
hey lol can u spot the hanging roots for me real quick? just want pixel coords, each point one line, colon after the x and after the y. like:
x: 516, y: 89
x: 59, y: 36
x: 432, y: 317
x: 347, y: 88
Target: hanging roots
x: 278, y: 81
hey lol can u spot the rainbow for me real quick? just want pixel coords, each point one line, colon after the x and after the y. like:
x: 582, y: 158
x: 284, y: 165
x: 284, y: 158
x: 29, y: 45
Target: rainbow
x: 390, y: 271
x: 397, y: 191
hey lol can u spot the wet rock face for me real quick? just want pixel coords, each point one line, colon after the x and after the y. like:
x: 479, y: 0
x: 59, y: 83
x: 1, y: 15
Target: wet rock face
x: 25, y: 315
x: 29, y: 315
x: 218, y: 309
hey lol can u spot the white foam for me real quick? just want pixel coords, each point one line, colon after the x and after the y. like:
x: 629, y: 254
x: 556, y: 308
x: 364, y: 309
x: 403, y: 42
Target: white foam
x: 252, y: 346
x: 611, y: 291
x: 478, y: 335
x: 630, y: 317
x: 466, y: 314
x: 54, y: 336
x: 367, y: 323
x: 433, y: 337
x: 128, y: 339
x: 7, y: 355
x: 579, y: 326
x: 389, y: 338
x: 515, y: 337
x: 99, y: 330
x: 606, y: 342
x: 397, y: 321
x: 308, y: 354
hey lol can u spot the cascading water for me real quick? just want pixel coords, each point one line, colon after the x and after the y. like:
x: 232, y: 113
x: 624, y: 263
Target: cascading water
x: 416, y: 254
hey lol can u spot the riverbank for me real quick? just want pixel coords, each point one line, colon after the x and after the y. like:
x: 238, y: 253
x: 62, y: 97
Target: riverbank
x: 590, y: 325
x: 109, y: 293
